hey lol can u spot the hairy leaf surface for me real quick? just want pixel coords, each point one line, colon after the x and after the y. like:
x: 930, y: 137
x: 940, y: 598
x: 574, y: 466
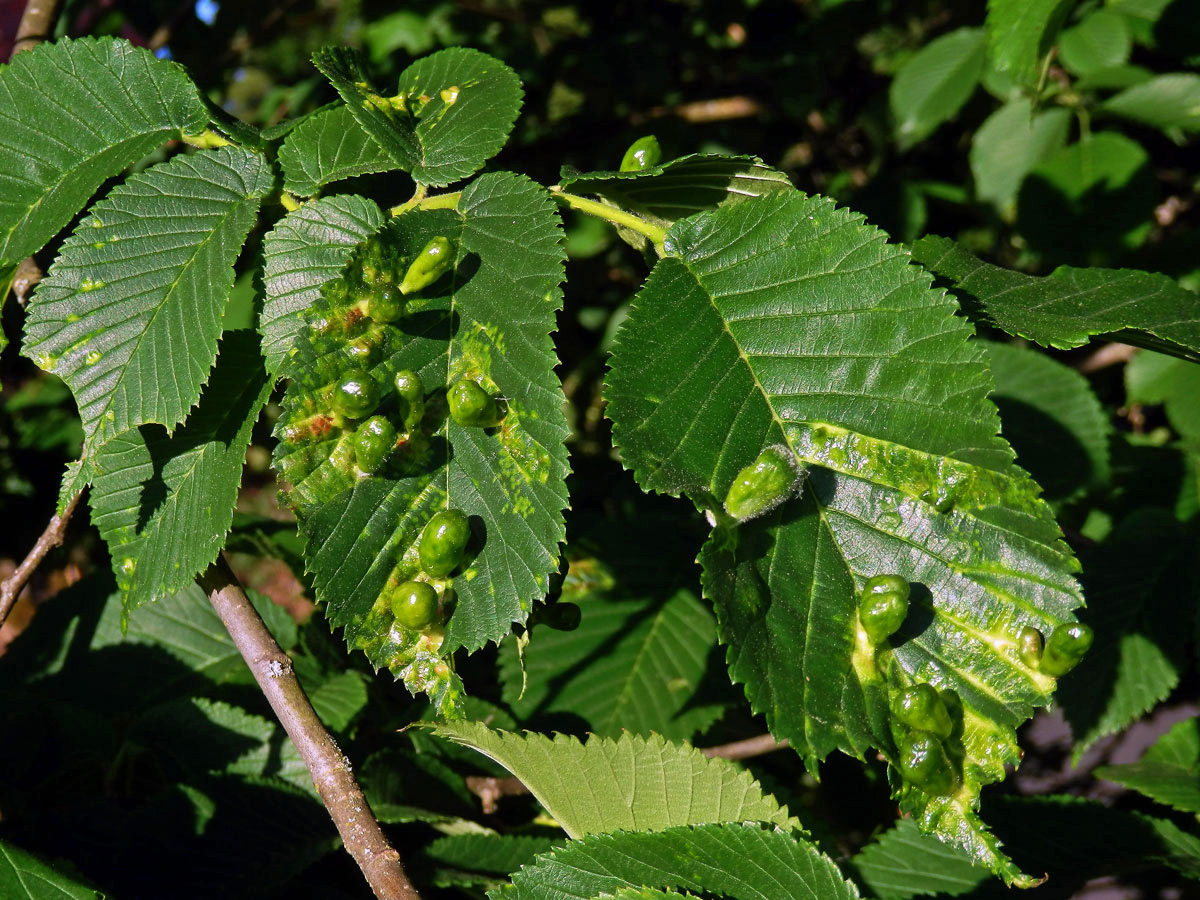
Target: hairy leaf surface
x: 786, y: 322
x: 489, y: 319
x: 632, y: 783
x: 328, y: 147
x: 72, y: 114
x: 164, y: 503
x: 1069, y: 306
x: 130, y: 312
x: 453, y: 110
x: 741, y: 862
x: 305, y: 249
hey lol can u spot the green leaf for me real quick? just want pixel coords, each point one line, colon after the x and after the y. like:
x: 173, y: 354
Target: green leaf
x: 1101, y: 41
x: 1153, y: 378
x: 1169, y: 772
x: 490, y: 854
x: 24, y: 876
x: 1167, y: 101
x: 328, y: 147
x: 794, y: 325
x: 903, y: 862
x: 1053, y: 420
x: 305, y: 249
x: 739, y: 862
x: 164, y: 504
x: 933, y: 85
x: 1180, y: 849
x: 1021, y: 33
x: 338, y: 700
x: 453, y: 111
x: 1089, y: 201
x: 1011, y: 142
x: 130, y: 312
x: 635, y: 662
x: 633, y: 783
x: 1066, y: 308
x: 509, y: 480
x: 72, y: 114
x: 679, y: 187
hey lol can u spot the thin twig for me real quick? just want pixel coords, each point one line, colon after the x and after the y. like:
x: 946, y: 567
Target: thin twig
x: 489, y: 790
x: 330, y: 770
x: 1103, y: 357
x: 745, y: 749
x: 37, y: 25
x: 51, y: 538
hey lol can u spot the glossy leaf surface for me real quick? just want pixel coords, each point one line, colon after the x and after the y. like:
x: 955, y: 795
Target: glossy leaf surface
x: 328, y: 147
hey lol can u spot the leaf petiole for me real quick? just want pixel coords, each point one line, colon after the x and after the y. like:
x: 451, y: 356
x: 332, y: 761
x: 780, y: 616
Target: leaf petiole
x: 611, y: 214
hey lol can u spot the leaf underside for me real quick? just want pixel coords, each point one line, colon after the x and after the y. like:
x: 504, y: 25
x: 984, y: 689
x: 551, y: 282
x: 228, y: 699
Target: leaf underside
x: 489, y: 320
x: 791, y: 323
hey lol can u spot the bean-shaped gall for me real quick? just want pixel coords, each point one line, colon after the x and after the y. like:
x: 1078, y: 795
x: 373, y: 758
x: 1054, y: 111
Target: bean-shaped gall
x: 762, y: 485
x: 924, y: 764
x: 1065, y: 648
x: 1030, y: 645
x: 374, y: 439
x: 411, y: 391
x: 642, y: 154
x: 356, y: 395
x: 414, y: 604
x: 434, y: 260
x: 882, y: 606
x: 443, y: 542
x: 472, y: 406
x: 921, y: 708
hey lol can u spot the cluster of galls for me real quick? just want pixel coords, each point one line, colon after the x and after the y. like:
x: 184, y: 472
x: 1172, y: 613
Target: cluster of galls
x: 356, y: 397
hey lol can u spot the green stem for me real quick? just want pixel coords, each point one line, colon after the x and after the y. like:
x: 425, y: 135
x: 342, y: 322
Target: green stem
x: 437, y: 201
x: 654, y: 232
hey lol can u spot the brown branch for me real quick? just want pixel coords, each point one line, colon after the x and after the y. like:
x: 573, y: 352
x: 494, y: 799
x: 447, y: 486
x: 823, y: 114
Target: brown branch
x: 330, y: 770
x: 1105, y: 356
x: 745, y: 749
x: 51, y: 538
x: 489, y: 790
x: 37, y: 25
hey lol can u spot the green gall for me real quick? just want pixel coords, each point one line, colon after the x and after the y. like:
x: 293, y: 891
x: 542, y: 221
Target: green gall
x: 921, y: 708
x: 1029, y: 646
x: 1065, y: 648
x: 443, y: 542
x: 924, y: 764
x: 374, y: 440
x: 642, y: 154
x: 385, y: 304
x: 763, y: 484
x: 431, y: 264
x: 411, y: 392
x: 414, y: 604
x: 356, y: 395
x: 882, y: 606
x: 471, y: 406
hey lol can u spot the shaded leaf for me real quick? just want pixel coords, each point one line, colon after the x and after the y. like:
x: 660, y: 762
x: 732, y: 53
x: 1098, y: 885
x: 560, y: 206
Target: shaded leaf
x: 1101, y: 41
x: 480, y: 859
x: 328, y: 147
x: 633, y: 783
x: 740, y: 862
x: 130, y: 312
x: 1138, y: 582
x: 1066, y: 308
x: 72, y: 114
x: 305, y: 249
x: 933, y: 85
x: 795, y: 326
x: 338, y: 700
x: 24, y: 876
x: 1168, y: 772
x: 1167, y: 101
x: 634, y: 664
x: 1011, y: 142
x: 1153, y: 378
x: 903, y: 862
x: 1053, y: 420
x: 164, y: 503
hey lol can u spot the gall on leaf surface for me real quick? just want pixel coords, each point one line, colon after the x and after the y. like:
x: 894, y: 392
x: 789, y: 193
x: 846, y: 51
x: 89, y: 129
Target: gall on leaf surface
x: 72, y: 114
x: 786, y: 320
x: 489, y: 319
x: 452, y: 112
